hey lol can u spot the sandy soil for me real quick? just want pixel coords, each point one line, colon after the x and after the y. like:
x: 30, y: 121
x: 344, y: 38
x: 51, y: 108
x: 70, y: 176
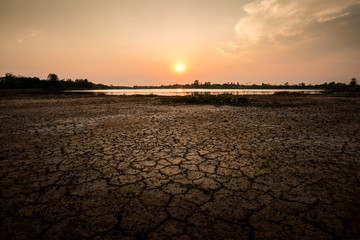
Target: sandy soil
x: 131, y: 168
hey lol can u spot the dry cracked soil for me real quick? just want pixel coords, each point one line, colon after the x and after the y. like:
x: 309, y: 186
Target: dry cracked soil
x: 108, y: 167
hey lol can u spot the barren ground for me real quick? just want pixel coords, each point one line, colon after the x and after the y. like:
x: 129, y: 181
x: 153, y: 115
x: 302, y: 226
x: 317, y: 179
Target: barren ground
x: 130, y: 168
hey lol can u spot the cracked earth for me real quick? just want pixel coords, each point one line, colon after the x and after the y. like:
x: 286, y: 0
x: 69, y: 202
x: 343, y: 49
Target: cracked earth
x: 130, y: 168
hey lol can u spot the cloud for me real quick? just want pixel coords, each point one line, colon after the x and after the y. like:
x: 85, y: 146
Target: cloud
x: 31, y: 34
x: 282, y: 23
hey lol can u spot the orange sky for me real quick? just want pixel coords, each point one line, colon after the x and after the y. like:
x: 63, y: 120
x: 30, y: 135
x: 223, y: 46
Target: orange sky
x: 139, y: 42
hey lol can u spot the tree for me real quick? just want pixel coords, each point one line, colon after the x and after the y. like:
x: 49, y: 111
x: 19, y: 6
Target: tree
x: 52, y: 77
x: 9, y: 75
x: 53, y: 81
x: 207, y: 84
x: 353, y: 82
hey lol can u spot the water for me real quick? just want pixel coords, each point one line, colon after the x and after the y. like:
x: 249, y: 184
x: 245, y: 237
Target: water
x: 182, y: 92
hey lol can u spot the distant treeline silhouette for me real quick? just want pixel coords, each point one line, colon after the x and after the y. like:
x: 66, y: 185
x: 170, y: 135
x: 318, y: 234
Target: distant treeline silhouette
x: 342, y: 87
x: 330, y: 87
x: 208, y: 85
x: 53, y: 83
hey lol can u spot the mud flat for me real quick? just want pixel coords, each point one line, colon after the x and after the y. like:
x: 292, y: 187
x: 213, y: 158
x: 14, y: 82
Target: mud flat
x: 286, y: 167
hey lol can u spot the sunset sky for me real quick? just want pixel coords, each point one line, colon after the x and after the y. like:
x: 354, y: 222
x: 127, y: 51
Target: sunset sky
x: 141, y: 42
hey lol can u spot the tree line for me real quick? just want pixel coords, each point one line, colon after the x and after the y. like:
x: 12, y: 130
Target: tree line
x: 330, y: 87
x: 53, y: 83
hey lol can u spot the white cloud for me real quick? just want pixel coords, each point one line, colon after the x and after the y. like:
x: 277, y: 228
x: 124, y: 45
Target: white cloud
x: 31, y: 34
x: 277, y: 21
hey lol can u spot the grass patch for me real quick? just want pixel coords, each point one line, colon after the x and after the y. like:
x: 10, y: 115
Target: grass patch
x: 287, y: 93
x: 145, y: 95
x: 221, y: 99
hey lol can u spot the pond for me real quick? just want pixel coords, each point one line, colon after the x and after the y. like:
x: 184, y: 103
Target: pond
x: 182, y: 92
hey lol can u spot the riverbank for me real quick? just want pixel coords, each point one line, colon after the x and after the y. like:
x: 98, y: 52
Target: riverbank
x: 131, y: 167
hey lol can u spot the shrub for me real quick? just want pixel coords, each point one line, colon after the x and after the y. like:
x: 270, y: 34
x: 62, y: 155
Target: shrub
x: 221, y: 99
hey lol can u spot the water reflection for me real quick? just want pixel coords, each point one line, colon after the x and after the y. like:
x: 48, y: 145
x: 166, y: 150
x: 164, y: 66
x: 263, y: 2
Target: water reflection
x: 183, y: 92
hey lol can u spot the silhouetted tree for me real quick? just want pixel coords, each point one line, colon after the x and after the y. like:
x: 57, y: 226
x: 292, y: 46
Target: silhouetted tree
x: 9, y: 76
x: 52, y: 77
x: 207, y: 84
x: 353, y: 82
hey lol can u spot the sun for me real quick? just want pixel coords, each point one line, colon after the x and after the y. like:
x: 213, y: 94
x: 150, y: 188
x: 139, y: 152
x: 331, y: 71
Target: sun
x: 179, y: 67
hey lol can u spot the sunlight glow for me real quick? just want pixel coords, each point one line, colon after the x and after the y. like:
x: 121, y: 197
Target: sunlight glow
x: 179, y: 90
x: 179, y: 67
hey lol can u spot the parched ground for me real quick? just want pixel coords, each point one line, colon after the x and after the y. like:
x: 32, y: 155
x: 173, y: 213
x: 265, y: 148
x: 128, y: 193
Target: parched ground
x: 112, y: 167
